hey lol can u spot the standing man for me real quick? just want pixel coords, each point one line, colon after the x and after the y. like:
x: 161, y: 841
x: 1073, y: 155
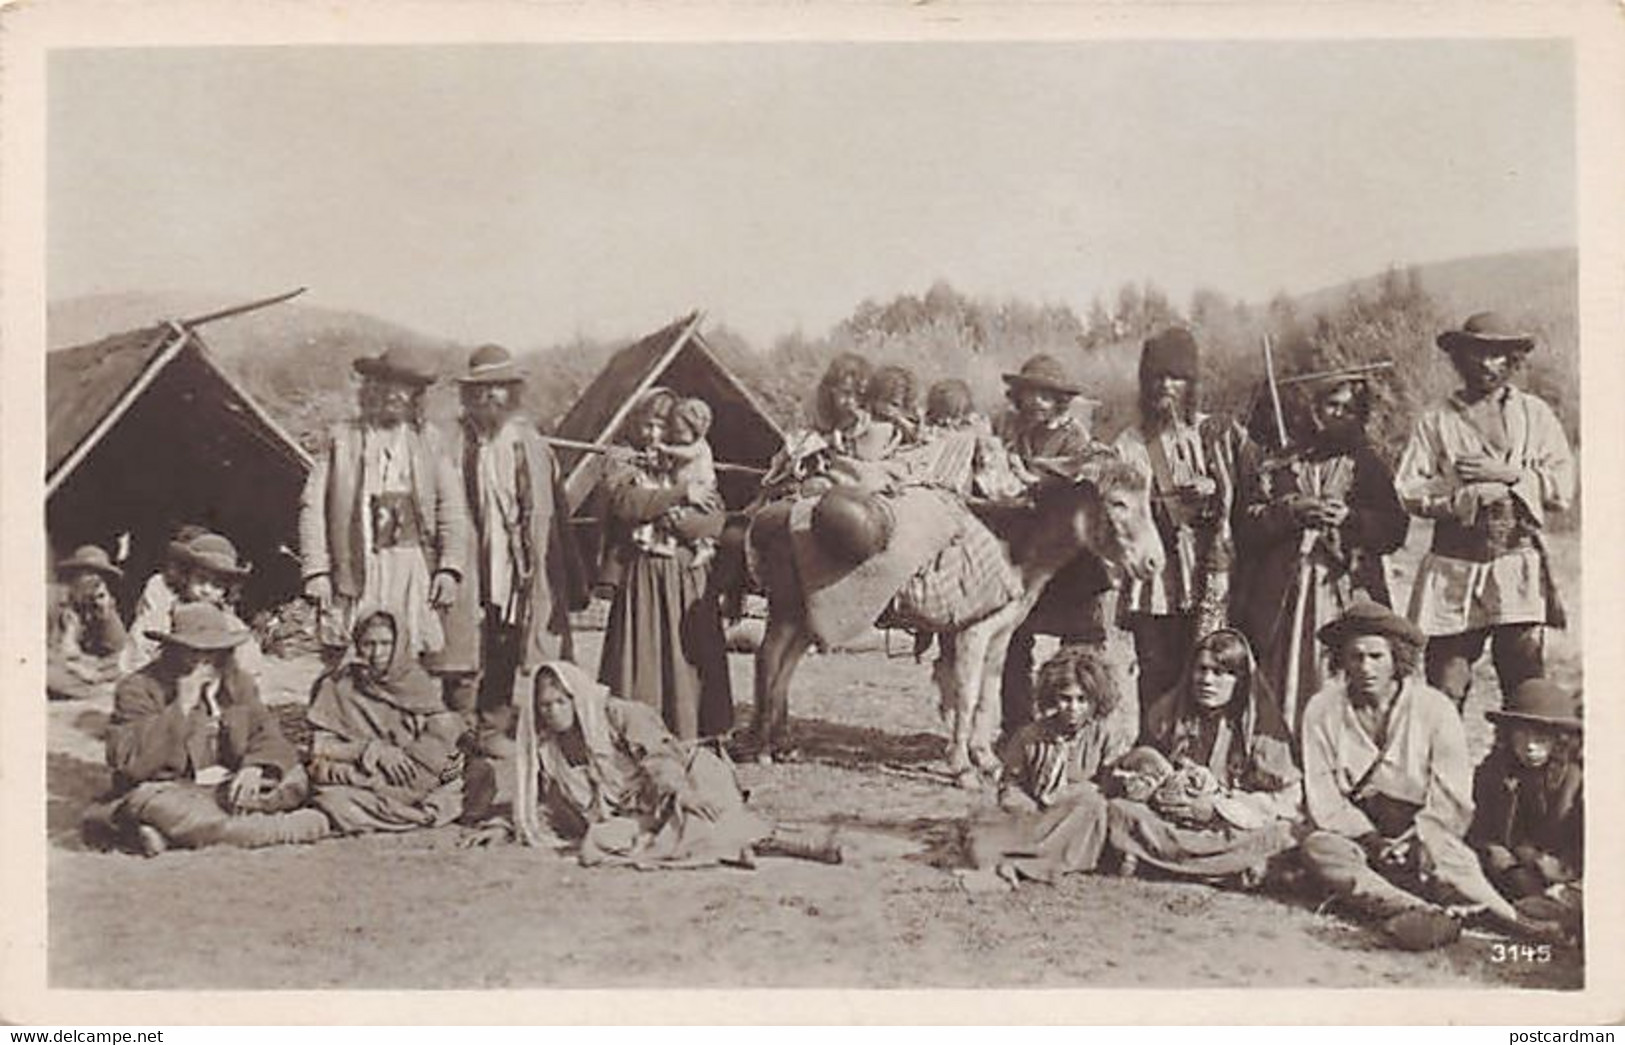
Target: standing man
x: 1045, y: 442
x: 522, y: 575
x: 1388, y: 787
x: 1486, y: 466
x: 1312, y: 525
x: 383, y: 524
x: 1188, y: 458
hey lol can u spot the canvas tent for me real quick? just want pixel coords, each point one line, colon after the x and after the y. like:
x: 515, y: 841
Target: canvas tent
x: 675, y: 357
x: 145, y: 431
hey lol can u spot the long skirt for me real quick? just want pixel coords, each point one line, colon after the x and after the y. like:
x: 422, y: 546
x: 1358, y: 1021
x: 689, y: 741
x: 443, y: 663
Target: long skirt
x: 1209, y: 852
x: 671, y: 837
x: 190, y: 816
x: 664, y: 646
x: 1068, y: 837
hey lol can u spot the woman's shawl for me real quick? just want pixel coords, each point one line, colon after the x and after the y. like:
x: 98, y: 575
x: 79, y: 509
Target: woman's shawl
x: 398, y: 708
x: 1251, y: 750
x: 608, y: 775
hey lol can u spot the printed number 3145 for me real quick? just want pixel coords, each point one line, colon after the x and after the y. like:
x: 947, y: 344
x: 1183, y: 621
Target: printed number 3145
x: 1520, y: 953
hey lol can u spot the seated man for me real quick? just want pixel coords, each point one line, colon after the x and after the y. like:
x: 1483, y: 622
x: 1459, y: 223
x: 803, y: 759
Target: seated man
x: 197, y: 760
x: 85, y: 634
x: 1388, y: 787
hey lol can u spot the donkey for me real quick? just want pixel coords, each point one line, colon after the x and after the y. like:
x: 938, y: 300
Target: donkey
x: 1105, y: 513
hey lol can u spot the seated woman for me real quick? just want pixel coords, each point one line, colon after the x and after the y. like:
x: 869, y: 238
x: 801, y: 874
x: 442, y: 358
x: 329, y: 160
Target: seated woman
x: 1229, y: 795
x: 197, y: 760
x: 384, y: 754
x: 605, y: 772
x: 1055, y: 813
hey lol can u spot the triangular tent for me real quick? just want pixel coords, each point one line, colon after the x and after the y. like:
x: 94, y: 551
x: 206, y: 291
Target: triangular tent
x: 675, y: 357
x: 144, y: 432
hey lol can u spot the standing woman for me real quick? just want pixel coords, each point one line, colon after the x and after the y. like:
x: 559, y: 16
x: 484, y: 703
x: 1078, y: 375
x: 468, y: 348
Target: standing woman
x: 664, y: 644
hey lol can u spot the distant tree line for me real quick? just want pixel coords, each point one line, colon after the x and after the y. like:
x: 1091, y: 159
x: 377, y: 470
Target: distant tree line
x: 944, y: 332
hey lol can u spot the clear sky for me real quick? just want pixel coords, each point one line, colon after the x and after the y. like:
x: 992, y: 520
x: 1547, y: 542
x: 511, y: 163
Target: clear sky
x: 525, y: 194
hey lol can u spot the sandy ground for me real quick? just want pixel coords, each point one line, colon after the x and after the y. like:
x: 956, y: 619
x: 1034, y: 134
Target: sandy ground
x: 418, y: 912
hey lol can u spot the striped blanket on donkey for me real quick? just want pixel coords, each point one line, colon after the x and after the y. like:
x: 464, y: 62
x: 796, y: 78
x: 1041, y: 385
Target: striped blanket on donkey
x: 967, y: 580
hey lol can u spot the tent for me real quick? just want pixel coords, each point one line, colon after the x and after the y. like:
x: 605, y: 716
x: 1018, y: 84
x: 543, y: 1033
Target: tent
x: 675, y: 357
x: 145, y: 432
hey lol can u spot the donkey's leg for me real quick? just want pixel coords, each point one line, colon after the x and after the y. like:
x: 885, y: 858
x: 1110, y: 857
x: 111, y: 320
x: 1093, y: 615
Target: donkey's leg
x: 989, y: 706
x: 968, y: 667
x: 944, y: 672
x: 783, y: 645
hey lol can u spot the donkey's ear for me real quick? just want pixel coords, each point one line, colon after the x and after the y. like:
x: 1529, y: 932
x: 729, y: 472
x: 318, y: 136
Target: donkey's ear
x: 1099, y: 467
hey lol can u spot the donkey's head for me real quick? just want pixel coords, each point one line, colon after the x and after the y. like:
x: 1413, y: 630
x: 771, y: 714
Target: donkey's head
x: 1105, y: 510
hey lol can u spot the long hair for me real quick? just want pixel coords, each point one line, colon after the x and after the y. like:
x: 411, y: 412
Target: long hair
x: 846, y: 369
x: 1407, y: 655
x: 1085, y: 666
x: 948, y: 400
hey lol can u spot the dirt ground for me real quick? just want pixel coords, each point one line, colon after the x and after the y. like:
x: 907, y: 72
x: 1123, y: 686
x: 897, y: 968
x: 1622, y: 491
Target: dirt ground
x: 418, y: 912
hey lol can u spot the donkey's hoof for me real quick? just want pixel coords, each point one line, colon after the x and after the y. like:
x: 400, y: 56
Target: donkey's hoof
x: 968, y: 779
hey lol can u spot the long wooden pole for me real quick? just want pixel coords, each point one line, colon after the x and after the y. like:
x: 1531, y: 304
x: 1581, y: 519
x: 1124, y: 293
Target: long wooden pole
x: 615, y: 448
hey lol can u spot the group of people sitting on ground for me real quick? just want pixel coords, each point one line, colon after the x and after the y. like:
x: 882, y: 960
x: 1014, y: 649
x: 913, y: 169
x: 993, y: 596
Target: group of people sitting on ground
x: 1381, y: 807
x: 1278, y: 704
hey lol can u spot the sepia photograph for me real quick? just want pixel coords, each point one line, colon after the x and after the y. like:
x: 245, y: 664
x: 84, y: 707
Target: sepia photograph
x: 936, y: 513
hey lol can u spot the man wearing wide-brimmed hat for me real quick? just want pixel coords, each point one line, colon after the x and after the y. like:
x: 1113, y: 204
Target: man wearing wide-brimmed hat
x: 383, y: 524
x: 1487, y: 466
x: 205, y: 569
x: 1188, y: 458
x: 1388, y: 786
x: 522, y: 572
x: 84, y: 635
x: 1046, y: 441
x: 1313, y: 522
x: 197, y: 759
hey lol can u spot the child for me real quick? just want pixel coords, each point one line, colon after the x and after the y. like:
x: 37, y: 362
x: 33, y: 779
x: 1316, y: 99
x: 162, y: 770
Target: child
x: 949, y: 406
x: 684, y: 459
x: 202, y: 568
x: 1529, y: 815
x: 1056, y: 815
x: 890, y: 397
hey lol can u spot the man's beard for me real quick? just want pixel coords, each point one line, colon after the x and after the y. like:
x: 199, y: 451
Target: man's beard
x: 1339, y: 437
x: 1165, y: 410
x: 488, y: 422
